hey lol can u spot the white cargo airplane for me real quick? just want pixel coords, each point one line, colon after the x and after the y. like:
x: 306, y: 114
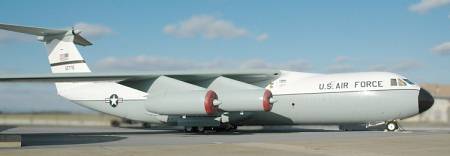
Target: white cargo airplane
x: 223, y: 100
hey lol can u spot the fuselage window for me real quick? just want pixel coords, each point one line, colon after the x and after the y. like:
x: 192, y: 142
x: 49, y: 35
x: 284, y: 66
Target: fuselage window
x: 401, y: 82
x: 393, y: 82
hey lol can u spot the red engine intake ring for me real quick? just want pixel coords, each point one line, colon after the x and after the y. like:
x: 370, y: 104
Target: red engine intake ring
x: 266, y: 100
x: 209, y: 99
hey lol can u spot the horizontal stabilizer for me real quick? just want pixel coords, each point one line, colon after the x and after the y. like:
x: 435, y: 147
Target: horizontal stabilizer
x: 78, y: 39
x: 32, y: 30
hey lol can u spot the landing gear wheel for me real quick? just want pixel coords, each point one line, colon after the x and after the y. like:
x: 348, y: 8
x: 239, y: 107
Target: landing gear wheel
x: 391, y: 126
x: 201, y: 129
x: 191, y: 129
x: 225, y: 128
x: 232, y: 128
x: 115, y: 123
x: 146, y: 125
x: 187, y: 129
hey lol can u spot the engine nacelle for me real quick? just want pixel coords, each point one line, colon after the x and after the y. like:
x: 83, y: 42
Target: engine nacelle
x: 184, y: 103
x: 246, y: 100
x: 240, y: 96
x: 169, y: 96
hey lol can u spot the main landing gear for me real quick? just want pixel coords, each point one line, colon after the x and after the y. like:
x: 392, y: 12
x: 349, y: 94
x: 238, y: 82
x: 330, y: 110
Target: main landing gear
x: 222, y: 128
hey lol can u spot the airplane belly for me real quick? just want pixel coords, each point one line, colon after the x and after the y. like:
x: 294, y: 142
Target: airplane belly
x: 133, y: 109
x: 345, y: 107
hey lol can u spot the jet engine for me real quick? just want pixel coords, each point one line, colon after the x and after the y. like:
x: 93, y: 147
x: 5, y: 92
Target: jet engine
x: 184, y: 103
x: 173, y: 97
x: 246, y: 100
x: 240, y: 96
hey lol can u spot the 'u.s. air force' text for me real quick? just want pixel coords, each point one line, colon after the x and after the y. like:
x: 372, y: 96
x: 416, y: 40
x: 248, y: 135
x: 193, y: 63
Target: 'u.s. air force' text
x: 344, y: 85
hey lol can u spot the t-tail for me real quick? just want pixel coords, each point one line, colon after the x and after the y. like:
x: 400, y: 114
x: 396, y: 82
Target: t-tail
x: 63, y: 55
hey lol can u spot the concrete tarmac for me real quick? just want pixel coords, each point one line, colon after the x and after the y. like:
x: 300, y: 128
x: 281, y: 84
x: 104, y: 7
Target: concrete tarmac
x: 279, y: 141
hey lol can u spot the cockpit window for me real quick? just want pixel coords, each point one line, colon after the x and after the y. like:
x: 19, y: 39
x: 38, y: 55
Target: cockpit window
x: 401, y: 82
x: 393, y: 82
x: 409, y: 82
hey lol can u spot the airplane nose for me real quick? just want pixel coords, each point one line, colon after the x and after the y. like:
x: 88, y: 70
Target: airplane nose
x: 425, y: 100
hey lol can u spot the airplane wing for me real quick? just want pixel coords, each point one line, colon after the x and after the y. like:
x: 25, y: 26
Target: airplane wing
x: 248, y: 76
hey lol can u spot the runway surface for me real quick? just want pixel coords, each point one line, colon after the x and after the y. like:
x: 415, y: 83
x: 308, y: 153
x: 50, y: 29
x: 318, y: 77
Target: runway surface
x: 68, y: 141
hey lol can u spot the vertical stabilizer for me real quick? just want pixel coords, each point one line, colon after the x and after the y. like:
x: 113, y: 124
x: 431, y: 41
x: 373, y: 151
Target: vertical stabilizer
x: 64, y: 56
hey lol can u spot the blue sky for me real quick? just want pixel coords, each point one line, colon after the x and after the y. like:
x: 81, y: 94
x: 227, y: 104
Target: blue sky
x: 407, y: 37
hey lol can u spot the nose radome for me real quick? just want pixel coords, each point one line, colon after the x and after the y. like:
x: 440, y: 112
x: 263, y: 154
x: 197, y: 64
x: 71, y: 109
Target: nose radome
x: 425, y: 100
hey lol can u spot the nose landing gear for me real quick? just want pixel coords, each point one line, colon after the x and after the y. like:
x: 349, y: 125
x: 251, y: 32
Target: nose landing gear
x: 391, y: 126
x: 388, y: 126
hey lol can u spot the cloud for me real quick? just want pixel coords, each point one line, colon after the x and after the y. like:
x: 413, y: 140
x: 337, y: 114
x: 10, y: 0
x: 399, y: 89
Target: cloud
x: 406, y: 65
x: 294, y: 65
x: 255, y: 64
x: 402, y: 66
x: 344, y: 64
x: 340, y: 68
x: 341, y: 59
x: 144, y: 62
x: 441, y: 49
x: 426, y: 5
x: 92, y: 30
x: 262, y: 37
x: 35, y: 97
x: 7, y: 36
x: 153, y: 63
x: 341, y: 64
x: 206, y: 26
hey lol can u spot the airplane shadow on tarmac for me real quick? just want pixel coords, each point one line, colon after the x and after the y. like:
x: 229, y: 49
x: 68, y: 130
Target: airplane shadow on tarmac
x: 46, y: 139
x: 65, y: 139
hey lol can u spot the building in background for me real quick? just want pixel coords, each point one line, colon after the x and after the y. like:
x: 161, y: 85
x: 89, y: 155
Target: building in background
x: 439, y: 113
